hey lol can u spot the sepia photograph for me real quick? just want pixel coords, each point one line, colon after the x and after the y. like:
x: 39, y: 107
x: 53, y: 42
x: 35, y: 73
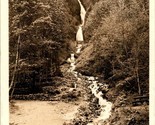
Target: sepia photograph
x: 78, y: 62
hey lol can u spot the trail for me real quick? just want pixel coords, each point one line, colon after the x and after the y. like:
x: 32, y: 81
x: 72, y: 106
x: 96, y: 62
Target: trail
x: 56, y: 113
x: 41, y: 112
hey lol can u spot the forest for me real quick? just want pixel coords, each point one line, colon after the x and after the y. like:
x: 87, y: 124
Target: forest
x: 115, y: 50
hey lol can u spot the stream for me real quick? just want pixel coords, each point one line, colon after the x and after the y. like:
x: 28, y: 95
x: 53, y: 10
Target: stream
x: 56, y: 113
x: 94, y: 84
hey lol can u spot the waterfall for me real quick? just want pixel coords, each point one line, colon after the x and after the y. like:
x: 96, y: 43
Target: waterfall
x: 79, y: 37
x: 94, y: 85
x: 71, y: 60
x: 79, y: 47
x: 82, y: 13
x: 79, y: 34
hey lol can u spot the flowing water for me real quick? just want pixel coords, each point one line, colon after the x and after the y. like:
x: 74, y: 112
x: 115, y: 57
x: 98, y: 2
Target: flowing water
x: 82, y: 13
x: 94, y: 85
x: 44, y: 113
x: 79, y: 34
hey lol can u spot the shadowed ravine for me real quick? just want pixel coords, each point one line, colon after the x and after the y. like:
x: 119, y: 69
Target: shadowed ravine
x: 56, y: 113
x: 94, y: 85
x: 79, y: 62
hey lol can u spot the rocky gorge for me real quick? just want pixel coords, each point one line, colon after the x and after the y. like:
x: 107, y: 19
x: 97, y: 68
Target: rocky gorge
x: 93, y: 53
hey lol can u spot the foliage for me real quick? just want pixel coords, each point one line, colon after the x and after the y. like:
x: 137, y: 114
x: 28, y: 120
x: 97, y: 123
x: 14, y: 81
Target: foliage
x: 44, y: 30
x: 120, y: 36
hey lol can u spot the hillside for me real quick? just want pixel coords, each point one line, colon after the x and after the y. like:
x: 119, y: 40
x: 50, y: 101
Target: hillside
x: 115, y: 53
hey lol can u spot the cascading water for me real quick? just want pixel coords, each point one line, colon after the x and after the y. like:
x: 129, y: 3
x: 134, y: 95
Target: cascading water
x: 79, y: 47
x: 94, y: 85
x: 104, y: 104
x: 79, y: 37
x: 82, y: 13
x: 79, y: 34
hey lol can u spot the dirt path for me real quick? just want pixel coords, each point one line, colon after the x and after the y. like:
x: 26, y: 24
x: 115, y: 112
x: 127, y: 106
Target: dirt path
x: 41, y: 112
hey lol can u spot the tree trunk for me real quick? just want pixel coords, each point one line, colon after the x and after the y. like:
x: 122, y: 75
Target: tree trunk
x: 12, y: 85
x: 137, y: 76
x: 137, y: 69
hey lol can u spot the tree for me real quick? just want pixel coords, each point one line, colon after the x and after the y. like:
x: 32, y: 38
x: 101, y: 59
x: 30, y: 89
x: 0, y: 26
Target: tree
x: 120, y: 34
x: 43, y: 29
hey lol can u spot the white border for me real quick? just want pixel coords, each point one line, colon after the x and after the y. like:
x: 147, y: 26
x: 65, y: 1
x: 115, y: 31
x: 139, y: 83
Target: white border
x: 152, y: 63
x: 4, y: 104
x: 4, y: 63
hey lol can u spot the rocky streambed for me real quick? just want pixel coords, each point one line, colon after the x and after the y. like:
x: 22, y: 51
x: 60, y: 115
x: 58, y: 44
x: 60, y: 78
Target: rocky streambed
x: 92, y: 83
x: 91, y: 107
